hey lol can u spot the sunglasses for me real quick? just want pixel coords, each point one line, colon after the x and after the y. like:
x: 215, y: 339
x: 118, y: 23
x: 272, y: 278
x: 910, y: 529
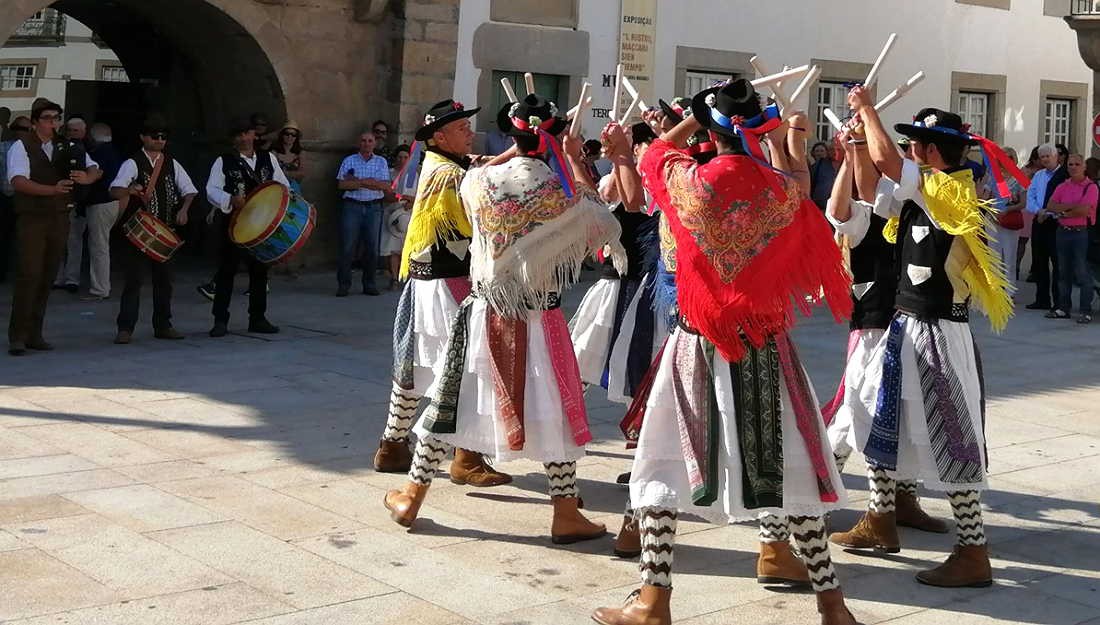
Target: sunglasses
x: 290, y: 133
x: 158, y: 136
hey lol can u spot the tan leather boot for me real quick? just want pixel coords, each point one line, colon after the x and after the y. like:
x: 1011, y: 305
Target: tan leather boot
x: 392, y: 457
x: 830, y: 605
x: 570, y: 526
x: 628, y: 543
x: 778, y: 565
x: 910, y: 514
x: 648, y: 606
x: 469, y: 467
x: 967, y: 567
x: 874, y: 531
x: 405, y: 504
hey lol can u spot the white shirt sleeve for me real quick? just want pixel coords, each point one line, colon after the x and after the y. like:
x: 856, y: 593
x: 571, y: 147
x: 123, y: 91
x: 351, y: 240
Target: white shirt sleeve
x: 88, y: 162
x: 857, y: 225
x: 127, y: 173
x: 214, y: 191
x: 19, y: 164
x: 183, y: 181
x: 278, y: 174
x: 909, y: 186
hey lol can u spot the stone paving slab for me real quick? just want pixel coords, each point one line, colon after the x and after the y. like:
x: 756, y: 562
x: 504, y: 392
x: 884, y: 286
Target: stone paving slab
x: 233, y: 484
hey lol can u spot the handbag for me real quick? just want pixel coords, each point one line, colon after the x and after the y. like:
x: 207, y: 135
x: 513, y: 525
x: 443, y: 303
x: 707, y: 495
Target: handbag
x: 1012, y: 220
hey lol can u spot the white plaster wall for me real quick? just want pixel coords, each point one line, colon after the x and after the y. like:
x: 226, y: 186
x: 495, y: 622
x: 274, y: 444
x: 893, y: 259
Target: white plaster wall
x: 937, y: 36
x: 77, y: 58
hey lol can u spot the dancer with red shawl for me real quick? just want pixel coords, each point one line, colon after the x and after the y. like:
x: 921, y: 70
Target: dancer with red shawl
x: 732, y: 426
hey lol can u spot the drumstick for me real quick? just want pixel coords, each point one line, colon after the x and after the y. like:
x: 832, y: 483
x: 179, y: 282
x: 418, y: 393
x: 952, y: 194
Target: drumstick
x: 872, y: 76
x: 629, y: 86
x: 614, y: 112
x: 797, y: 72
x: 815, y: 72
x: 507, y: 84
x: 578, y: 110
x: 900, y: 92
x: 529, y: 79
x: 777, y: 90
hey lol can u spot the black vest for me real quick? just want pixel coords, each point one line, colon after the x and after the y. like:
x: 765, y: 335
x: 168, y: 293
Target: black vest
x: 639, y: 237
x: 240, y: 179
x: 67, y: 157
x: 931, y: 297
x: 874, y: 261
x: 164, y: 202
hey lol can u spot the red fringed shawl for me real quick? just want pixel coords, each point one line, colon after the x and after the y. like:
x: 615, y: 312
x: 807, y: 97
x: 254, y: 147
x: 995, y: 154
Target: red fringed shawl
x: 745, y: 256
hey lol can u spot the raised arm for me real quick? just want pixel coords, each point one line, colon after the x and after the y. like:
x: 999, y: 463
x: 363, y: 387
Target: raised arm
x: 884, y: 153
x: 627, y: 179
x: 572, y: 146
x: 796, y: 149
x: 839, y: 207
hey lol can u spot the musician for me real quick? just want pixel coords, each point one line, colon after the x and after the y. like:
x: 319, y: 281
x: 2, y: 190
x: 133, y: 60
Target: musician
x: 42, y: 169
x: 152, y: 181
x: 232, y: 177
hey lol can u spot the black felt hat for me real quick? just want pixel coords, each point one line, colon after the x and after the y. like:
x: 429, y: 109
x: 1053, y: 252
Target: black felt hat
x: 641, y: 133
x: 935, y: 125
x: 733, y: 99
x: 533, y: 110
x: 677, y: 109
x: 441, y: 114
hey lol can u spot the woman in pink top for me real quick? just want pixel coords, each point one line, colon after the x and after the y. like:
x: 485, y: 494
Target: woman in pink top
x: 1074, y: 206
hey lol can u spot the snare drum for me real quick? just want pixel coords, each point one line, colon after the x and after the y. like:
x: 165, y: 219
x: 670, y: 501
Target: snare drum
x: 152, y: 236
x: 273, y: 224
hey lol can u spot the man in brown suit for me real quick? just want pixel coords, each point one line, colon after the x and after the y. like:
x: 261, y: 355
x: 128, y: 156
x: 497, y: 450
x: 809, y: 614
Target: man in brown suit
x: 42, y: 168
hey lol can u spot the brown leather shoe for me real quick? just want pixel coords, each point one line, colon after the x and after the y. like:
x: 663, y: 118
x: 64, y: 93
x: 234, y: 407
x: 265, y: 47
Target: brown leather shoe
x: 123, y: 337
x: 830, y: 605
x: 910, y: 514
x: 404, y: 504
x: 393, y: 457
x: 874, y: 531
x: 777, y: 565
x: 647, y: 606
x: 628, y: 542
x: 169, y: 333
x: 967, y: 567
x: 469, y: 467
x: 569, y: 525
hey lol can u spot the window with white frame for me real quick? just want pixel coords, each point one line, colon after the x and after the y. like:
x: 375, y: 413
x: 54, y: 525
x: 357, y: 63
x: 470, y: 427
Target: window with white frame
x: 973, y: 108
x: 833, y: 96
x: 113, y: 73
x: 17, y: 77
x: 1058, y: 121
x: 695, y: 82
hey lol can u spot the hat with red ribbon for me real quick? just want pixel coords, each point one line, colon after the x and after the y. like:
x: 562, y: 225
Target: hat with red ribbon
x: 441, y: 114
x: 537, y: 116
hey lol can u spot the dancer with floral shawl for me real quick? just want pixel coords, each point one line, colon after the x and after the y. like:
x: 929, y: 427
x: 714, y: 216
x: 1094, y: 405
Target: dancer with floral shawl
x: 509, y: 386
x: 732, y: 427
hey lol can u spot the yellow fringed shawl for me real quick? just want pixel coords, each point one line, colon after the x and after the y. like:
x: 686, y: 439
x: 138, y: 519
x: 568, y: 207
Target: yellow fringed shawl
x: 952, y: 201
x: 437, y: 213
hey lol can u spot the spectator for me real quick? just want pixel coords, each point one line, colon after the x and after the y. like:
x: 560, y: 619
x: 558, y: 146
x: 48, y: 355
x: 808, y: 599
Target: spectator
x: 364, y: 177
x: 5, y: 119
x: 819, y: 151
x: 1044, y: 258
x: 381, y: 131
x: 20, y: 127
x: 1073, y: 203
x: 288, y: 151
x: 263, y: 128
x: 1092, y: 170
x: 1033, y: 165
x: 823, y: 175
x: 398, y: 214
x: 97, y: 214
x: 68, y: 274
x: 43, y: 171
x: 1002, y: 240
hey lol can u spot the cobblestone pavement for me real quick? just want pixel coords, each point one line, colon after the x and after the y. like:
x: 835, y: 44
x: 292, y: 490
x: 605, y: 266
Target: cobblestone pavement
x: 212, y: 481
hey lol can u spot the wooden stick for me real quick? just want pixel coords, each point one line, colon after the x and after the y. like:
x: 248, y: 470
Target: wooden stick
x: 797, y: 72
x: 629, y: 110
x: 629, y: 86
x: 872, y: 76
x: 507, y: 84
x: 578, y: 110
x: 614, y: 112
x: 529, y: 80
x: 815, y: 73
x: 900, y: 92
x: 776, y: 88
x: 833, y: 119
x: 571, y: 113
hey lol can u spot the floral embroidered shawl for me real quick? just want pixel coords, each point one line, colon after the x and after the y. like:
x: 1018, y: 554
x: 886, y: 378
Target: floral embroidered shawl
x: 745, y: 257
x: 529, y: 240
x: 437, y: 213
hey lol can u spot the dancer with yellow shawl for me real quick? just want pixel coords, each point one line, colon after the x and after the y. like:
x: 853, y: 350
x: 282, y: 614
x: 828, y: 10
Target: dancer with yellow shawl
x: 436, y: 257
x: 922, y: 408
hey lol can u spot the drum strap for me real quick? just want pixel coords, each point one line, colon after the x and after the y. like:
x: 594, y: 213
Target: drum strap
x: 154, y: 178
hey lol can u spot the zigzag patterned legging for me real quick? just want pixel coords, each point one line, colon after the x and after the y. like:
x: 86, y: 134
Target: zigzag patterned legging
x: 402, y: 412
x: 967, y: 508
x: 430, y: 453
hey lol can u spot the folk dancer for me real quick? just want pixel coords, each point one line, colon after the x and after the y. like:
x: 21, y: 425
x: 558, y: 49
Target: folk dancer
x: 924, y: 378
x: 233, y: 176
x: 435, y: 264
x: 510, y: 386
x: 152, y: 181
x: 732, y: 427
x: 873, y: 264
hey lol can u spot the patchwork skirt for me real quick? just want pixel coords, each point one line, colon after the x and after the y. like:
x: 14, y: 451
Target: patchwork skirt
x: 920, y: 411
x: 421, y: 328
x: 728, y: 442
